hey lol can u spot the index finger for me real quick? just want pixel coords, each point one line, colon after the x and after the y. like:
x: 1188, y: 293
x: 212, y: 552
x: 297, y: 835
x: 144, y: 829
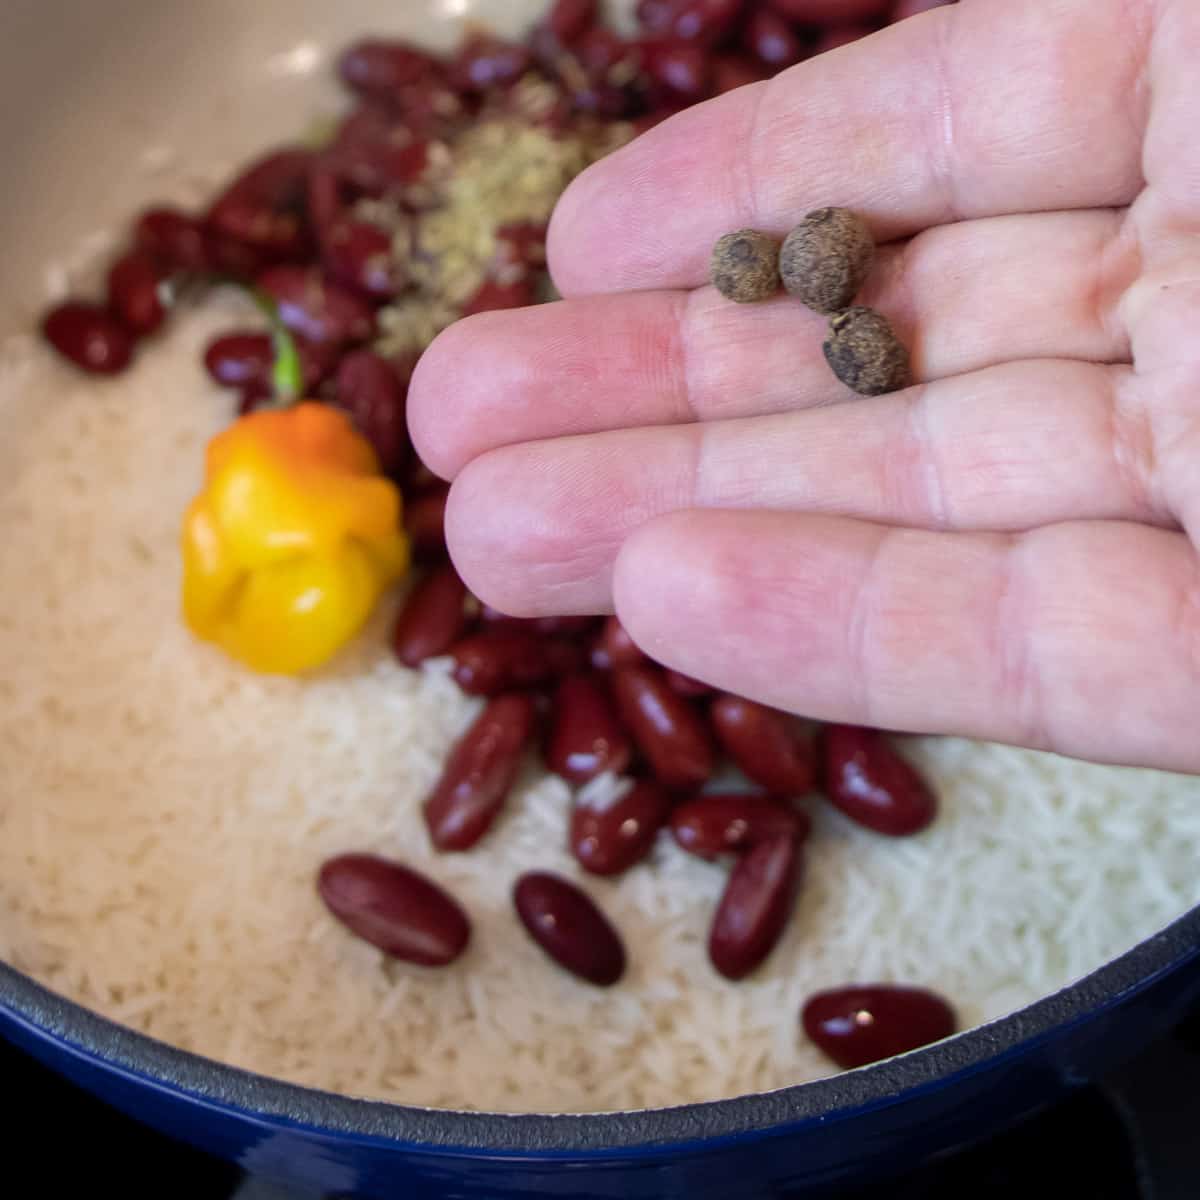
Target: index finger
x: 977, y: 109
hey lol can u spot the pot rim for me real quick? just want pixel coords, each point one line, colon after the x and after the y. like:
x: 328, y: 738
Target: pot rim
x: 145, y: 1061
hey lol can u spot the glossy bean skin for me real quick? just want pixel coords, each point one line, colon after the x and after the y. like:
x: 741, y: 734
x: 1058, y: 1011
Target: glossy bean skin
x: 432, y: 619
x: 134, y: 293
x: 682, y: 68
x: 380, y: 70
x: 551, y: 626
x: 368, y: 388
x: 265, y: 206
x: 244, y: 360
x: 178, y: 240
x: 395, y: 909
x: 665, y: 727
x: 732, y: 71
x: 755, y: 907
x: 493, y: 296
x: 315, y: 308
x: 731, y: 823
x: 685, y: 685
x: 837, y: 36
x: 768, y: 746
x: 485, y: 62
x: 566, y: 923
x: 607, y: 840
x: 89, y: 337
x: 425, y: 523
x: 858, y: 1025
x: 586, y: 737
x: 501, y: 660
x: 616, y: 647
x: 911, y: 8
x: 569, y: 20
x: 872, y: 784
x: 479, y: 773
x: 827, y: 12
x: 360, y: 255
x: 706, y: 21
x: 772, y: 40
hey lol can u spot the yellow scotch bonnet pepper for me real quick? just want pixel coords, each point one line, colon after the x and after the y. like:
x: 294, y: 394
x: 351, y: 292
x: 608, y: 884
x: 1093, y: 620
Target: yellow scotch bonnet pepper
x: 292, y: 541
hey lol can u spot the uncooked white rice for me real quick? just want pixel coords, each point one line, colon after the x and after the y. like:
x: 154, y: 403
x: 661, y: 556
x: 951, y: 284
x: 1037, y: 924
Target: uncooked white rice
x: 163, y: 814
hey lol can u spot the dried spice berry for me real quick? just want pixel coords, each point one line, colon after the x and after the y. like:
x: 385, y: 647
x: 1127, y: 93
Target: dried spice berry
x: 864, y: 352
x: 826, y: 258
x: 745, y: 266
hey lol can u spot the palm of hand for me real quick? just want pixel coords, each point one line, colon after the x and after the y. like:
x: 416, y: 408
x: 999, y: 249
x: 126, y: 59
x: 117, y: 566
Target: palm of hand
x: 1002, y: 551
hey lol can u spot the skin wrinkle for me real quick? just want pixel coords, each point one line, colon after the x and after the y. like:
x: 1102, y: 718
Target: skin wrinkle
x: 1134, y: 455
x: 936, y: 504
x: 944, y: 135
x: 862, y: 635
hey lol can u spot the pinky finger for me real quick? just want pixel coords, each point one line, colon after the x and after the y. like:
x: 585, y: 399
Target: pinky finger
x: 1083, y: 638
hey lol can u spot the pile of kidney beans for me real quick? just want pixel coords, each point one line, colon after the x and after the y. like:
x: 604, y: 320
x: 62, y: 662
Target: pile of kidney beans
x: 576, y: 688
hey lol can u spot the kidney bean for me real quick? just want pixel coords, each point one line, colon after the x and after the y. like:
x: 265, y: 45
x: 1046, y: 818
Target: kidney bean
x: 755, y: 907
x: 240, y: 359
x: 89, y: 336
x: 599, y: 50
x: 665, y: 727
x: 773, y: 40
x: 385, y: 167
x: 252, y: 396
x: 135, y: 292
x: 316, y: 308
x: 608, y: 839
x: 395, y: 909
x: 825, y: 12
x: 707, y: 21
x: 362, y: 256
x: 479, y: 773
x: 175, y: 239
x: 493, y: 296
x: 768, y: 746
x: 424, y: 523
x: 484, y: 62
x: 432, y: 619
x: 368, y: 389
x: 728, y: 823
x: 837, y: 36
x: 855, y: 1026
x: 586, y: 737
x: 237, y: 260
x: 911, y: 8
x: 569, y: 20
x: 608, y: 101
x: 521, y: 243
x: 381, y: 70
x: 732, y: 71
x: 867, y: 780
x: 265, y: 206
x: 616, y: 648
x: 569, y: 927
x: 685, y: 685
x: 683, y: 68
x: 499, y: 660
x: 551, y: 626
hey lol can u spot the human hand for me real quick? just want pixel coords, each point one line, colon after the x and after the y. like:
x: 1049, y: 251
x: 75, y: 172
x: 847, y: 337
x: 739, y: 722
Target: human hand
x: 1001, y: 551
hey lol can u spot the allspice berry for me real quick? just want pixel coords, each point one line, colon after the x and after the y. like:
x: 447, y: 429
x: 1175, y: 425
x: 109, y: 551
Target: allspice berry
x: 745, y: 266
x: 864, y: 352
x: 826, y: 259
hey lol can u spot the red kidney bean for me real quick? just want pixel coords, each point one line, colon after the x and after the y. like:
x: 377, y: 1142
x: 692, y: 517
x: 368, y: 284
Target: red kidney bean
x: 551, y: 626
x: 706, y: 21
x: 479, y: 773
x: 665, y: 727
x: 840, y: 35
x: 855, y: 1026
x: 825, y: 12
x: 316, y: 308
x: 732, y: 71
x: 776, y: 44
x: 569, y: 927
x: 685, y: 685
x: 381, y: 70
x: 384, y: 167
x: 609, y: 839
x: 493, y: 296
x: 360, y: 255
x: 755, y: 907
x: 395, y: 909
x: 484, y: 62
x: 683, y: 68
x: 265, y: 205
x: 135, y: 292
x: 326, y: 203
x: 499, y: 660
x: 89, y: 336
x: 616, y: 648
x: 238, y: 260
x: 729, y: 823
x: 240, y: 359
x: 586, y: 737
x: 252, y: 396
x: 368, y: 389
x: 569, y: 20
x: 608, y: 101
x: 911, y: 8
x: 424, y: 523
x: 432, y: 619
x: 521, y: 244
x: 867, y: 780
x: 599, y: 50
x: 176, y: 239
x: 767, y: 745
